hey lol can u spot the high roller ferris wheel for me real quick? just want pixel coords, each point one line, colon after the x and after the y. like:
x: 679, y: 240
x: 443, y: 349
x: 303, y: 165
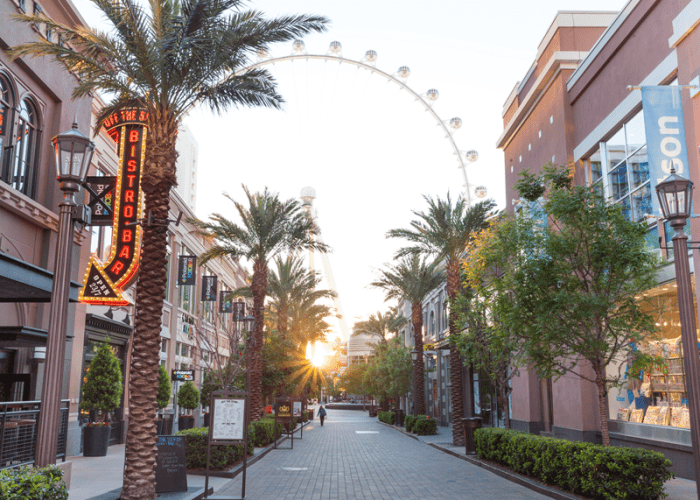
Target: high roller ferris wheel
x: 400, y: 78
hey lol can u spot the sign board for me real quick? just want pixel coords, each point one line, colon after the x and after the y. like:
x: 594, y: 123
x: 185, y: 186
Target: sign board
x: 186, y: 271
x: 283, y: 410
x: 182, y: 375
x: 104, y: 283
x: 239, y: 311
x: 228, y: 419
x: 209, y: 284
x: 225, y: 302
x: 171, y: 465
x: 101, y: 199
x: 296, y: 408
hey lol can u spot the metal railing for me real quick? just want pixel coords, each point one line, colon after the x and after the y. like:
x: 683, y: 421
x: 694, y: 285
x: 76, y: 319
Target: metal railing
x: 18, y: 427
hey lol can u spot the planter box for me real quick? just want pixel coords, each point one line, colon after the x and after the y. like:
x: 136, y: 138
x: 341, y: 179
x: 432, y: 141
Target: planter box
x: 185, y: 422
x: 96, y: 440
x: 159, y: 426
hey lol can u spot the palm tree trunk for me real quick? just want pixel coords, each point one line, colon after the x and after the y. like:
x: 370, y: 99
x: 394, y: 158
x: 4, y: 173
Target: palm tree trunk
x: 418, y: 364
x: 282, y: 314
x: 255, y: 343
x: 159, y: 175
x: 455, y: 359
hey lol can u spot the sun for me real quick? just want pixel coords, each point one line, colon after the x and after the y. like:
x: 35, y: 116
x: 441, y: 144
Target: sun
x: 316, y: 354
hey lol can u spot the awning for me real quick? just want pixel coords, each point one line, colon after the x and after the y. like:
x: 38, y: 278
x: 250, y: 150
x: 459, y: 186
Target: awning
x: 23, y: 282
x: 24, y: 336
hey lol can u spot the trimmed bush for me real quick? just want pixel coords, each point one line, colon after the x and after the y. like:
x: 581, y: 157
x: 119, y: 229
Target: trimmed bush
x: 164, y: 387
x: 305, y: 416
x: 102, y: 390
x: 425, y: 426
x: 26, y: 483
x: 408, y: 422
x: 188, y: 396
x: 222, y: 457
x: 262, y: 432
x: 387, y: 417
x: 586, y: 469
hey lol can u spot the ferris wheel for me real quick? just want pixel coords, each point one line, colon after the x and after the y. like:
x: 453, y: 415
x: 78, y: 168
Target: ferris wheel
x: 400, y: 78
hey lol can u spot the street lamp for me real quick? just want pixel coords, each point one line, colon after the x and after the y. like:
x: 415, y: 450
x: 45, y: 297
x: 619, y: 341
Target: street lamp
x: 675, y: 196
x: 73, y: 153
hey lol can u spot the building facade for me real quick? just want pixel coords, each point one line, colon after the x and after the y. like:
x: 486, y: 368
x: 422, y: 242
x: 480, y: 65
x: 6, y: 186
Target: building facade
x: 574, y: 107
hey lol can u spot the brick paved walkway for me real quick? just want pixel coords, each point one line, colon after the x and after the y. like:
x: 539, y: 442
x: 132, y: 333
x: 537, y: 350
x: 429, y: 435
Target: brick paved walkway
x: 354, y: 457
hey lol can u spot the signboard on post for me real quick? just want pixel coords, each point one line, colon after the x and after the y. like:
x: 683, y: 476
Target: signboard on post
x: 225, y: 302
x: 296, y: 409
x: 209, y: 284
x: 182, y: 375
x: 187, y: 270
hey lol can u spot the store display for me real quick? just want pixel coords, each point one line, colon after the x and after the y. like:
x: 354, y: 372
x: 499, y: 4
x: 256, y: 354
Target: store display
x: 623, y: 414
x: 685, y: 419
x: 676, y: 416
x: 664, y: 416
x: 652, y: 415
x: 637, y: 416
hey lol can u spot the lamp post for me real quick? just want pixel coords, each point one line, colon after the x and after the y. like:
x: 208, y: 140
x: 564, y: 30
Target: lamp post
x: 675, y: 196
x: 73, y: 153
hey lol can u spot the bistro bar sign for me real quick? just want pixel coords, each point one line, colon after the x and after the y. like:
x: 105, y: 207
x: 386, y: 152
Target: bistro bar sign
x: 105, y: 282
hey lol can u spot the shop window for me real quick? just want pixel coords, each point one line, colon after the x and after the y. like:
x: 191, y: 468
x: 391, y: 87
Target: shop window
x: 655, y: 395
x: 163, y: 345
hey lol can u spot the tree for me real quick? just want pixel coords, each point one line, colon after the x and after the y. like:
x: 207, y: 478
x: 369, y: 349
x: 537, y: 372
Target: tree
x: 164, y: 387
x: 389, y: 371
x: 103, y: 388
x: 411, y: 279
x: 443, y: 232
x: 188, y: 396
x: 486, y: 342
x: 268, y: 227
x: 166, y: 59
x: 381, y: 325
x: 577, y: 266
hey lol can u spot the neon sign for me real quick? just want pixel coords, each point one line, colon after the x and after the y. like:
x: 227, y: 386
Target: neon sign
x: 105, y: 282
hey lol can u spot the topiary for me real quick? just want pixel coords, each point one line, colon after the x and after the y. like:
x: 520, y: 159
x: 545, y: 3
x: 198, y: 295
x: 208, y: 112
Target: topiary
x: 188, y: 396
x: 211, y: 383
x: 164, y: 387
x: 103, y: 385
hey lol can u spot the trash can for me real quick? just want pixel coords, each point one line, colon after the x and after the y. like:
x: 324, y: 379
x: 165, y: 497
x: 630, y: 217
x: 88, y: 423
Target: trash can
x: 400, y: 415
x: 470, y: 425
x: 311, y: 413
x: 372, y: 411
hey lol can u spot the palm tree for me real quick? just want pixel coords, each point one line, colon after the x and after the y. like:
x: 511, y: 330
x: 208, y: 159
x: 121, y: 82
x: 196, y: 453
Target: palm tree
x: 166, y: 59
x: 381, y: 325
x: 268, y: 226
x: 443, y: 232
x: 412, y: 279
x: 290, y: 284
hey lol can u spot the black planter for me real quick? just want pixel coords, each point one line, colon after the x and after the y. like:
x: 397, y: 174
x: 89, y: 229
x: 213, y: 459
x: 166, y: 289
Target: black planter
x: 96, y: 440
x: 159, y: 426
x: 206, y: 420
x: 185, y: 422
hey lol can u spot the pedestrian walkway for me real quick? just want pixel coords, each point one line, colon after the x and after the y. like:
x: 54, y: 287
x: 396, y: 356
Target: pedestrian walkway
x: 354, y: 457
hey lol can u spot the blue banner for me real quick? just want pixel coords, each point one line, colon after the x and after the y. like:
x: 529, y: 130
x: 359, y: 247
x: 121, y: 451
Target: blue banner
x: 665, y: 131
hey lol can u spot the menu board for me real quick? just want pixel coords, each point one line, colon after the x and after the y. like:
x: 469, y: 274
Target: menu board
x: 297, y: 408
x: 228, y: 419
x: 283, y: 409
x: 171, y: 465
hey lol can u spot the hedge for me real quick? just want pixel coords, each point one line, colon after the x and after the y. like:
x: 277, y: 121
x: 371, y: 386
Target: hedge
x: 222, y: 457
x: 424, y: 426
x: 262, y: 432
x: 26, y: 483
x: 387, y: 417
x: 585, y: 469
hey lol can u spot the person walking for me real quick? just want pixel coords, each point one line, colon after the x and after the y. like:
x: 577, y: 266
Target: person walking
x: 321, y: 414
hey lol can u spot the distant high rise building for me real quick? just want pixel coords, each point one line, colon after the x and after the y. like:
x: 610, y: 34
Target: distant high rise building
x: 187, y: 164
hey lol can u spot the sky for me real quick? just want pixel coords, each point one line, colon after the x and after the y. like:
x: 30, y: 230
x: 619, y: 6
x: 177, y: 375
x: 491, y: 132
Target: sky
x: 370, y: 151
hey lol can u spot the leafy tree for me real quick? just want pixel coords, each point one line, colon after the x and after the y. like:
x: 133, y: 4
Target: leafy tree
x: 103, y: 388
x: 381, y: 325
x: 577, y: 266
x: 353, y: 379
x: 412, y: 279
x: 188, y: 396
x: 166, y: 58
x: 268, y: 227
x: 164, y: 387
x: 443, y: 232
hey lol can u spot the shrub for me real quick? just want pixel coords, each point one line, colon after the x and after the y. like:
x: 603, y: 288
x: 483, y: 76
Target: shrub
x: 164, y: 388
x: 188, y: 396
x: 586, y: 469
x: 222, y: 456
x: 103, y: 384
x: 305, y: 416
x: 27, y: 483
x: 425, y: 426
x: 262, y: 432
x: 387, y: 417
x: 408, y: 422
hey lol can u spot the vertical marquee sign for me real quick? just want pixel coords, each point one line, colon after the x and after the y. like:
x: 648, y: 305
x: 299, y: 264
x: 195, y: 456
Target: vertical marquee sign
x: 106, y: 282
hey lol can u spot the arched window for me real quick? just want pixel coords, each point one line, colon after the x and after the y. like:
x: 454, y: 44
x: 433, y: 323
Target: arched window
x: 23, y: 168
x: 432, y: 323
x: 6, y: 103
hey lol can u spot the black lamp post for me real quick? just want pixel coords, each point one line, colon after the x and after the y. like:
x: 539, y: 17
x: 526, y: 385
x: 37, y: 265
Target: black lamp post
x: 675, y: 196
x: 73, y: 153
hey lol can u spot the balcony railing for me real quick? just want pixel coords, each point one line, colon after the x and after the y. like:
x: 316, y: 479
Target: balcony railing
x: 18, y: 427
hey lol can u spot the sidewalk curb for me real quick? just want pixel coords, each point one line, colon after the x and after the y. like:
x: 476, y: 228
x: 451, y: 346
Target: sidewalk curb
x: 510, y: 476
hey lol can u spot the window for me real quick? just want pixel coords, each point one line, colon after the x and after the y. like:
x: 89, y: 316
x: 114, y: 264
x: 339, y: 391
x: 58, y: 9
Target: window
x: 6, y: 104
x: 163, y: 345
x: 177, y: 348
x: 432, y: 323
x: 21, y: 171
x: 623, y: 160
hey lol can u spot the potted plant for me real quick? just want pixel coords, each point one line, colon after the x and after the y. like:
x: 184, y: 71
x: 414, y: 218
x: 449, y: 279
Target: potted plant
x: 163, y: 396
x: 209, y: 385
x: 102, y: 392
x: 187, y: 398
